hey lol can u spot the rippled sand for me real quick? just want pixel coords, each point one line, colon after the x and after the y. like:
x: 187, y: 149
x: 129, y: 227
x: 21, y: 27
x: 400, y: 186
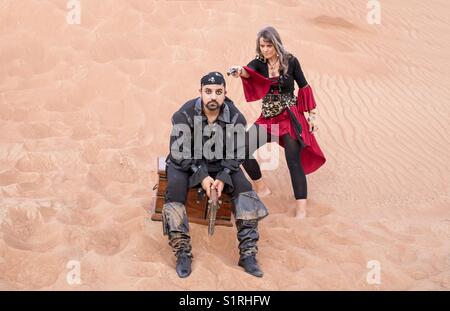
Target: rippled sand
x: 85, y: 110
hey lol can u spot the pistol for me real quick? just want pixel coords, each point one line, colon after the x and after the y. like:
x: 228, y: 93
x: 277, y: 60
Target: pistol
x: 231, y: 71
x: 213, y: 206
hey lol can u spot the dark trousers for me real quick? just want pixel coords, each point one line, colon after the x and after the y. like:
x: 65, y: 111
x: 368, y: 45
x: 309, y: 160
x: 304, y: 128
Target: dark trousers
x: 178, y: 182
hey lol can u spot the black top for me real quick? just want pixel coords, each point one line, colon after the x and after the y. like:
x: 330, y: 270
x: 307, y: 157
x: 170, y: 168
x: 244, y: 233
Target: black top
x: 285, y: 82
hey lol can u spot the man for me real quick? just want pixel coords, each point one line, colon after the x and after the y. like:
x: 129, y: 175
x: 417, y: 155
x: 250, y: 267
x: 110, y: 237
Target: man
x: 206, y: 149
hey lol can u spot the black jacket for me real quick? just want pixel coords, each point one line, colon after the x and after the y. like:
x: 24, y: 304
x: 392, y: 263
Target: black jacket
x: 186, y: 156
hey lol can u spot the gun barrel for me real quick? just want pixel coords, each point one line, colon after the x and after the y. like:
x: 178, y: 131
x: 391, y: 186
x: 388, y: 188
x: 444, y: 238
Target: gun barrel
x: 231, y: 71
x: 213, y: 206
x: 214, y: 195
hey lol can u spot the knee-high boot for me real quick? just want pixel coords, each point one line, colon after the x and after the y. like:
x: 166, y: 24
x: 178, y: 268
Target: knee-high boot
x: 176, y: 226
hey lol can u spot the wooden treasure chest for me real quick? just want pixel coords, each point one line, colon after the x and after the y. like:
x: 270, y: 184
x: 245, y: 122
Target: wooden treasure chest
x: 196, y: 201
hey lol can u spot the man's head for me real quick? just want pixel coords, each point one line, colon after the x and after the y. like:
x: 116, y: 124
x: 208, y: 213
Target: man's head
x: 212, y: 90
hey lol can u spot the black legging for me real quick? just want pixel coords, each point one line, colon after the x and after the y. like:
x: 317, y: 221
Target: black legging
x: 291, y: 152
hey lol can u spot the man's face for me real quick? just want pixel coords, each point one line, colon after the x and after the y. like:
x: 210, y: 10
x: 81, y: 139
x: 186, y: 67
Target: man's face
x: 213, y: 96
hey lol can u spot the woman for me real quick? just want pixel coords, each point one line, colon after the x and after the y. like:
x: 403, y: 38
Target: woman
x: 271, y: 76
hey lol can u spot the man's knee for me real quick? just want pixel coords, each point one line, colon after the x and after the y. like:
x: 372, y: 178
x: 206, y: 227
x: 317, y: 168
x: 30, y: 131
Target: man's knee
x: 174, y: 218
x: 248, y: 206
x: 177, y: 185
x: 240, y: 183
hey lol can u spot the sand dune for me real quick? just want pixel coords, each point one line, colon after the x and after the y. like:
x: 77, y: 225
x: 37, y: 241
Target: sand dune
x: 85, y: 111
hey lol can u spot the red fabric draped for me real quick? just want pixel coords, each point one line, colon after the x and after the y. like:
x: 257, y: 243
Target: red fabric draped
x: 256, y: 87
x: 305, y: 99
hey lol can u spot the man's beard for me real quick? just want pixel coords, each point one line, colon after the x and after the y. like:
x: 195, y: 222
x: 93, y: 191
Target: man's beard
x: 212, y: 105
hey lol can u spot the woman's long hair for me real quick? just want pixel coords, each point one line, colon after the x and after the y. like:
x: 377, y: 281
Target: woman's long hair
x: 270, y: 34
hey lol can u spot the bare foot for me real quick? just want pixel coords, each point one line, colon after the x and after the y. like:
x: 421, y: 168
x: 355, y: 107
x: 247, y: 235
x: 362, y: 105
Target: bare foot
x: 300, y: 209
x: 261, y: 188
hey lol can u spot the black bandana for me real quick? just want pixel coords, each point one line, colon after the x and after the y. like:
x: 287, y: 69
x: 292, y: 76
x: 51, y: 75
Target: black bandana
x: 212, y: 78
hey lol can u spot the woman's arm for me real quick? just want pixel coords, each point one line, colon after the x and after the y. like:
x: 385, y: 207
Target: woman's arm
x: 298, y: 74
x: 309, y: 103
x: 301, y: 81
x: 239, y: 71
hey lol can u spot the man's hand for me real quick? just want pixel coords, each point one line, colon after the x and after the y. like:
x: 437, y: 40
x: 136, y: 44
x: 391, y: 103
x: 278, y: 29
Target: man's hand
x: 218, y: 184
x: 207, y: 182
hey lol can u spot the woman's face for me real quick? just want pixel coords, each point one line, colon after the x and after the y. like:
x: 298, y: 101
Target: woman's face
x: 267, y: 48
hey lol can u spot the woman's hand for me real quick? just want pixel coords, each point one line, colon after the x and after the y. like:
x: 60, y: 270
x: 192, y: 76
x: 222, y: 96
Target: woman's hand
x: 238, y: 71
x: 312, y: 121
x: 235, y: 71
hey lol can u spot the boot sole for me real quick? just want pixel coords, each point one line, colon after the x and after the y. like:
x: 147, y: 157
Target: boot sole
x: 258, y: 275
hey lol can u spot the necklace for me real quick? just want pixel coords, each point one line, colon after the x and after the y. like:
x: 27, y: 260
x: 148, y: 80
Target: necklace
x: 272, y: 67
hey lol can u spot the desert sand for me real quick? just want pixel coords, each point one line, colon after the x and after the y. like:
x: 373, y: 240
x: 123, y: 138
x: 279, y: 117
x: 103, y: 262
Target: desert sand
x: 85, y: 111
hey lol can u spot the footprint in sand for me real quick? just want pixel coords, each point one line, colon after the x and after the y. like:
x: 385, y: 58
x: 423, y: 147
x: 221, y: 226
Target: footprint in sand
x: 149, y: 249
x: 295, y: 263
x: 77, y: 216
x: 24, y: 229
x: 20, y: 222
x: 107, y: 241
x: 31, y: 271
x: 318, y: 210
x: 141, y: 270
